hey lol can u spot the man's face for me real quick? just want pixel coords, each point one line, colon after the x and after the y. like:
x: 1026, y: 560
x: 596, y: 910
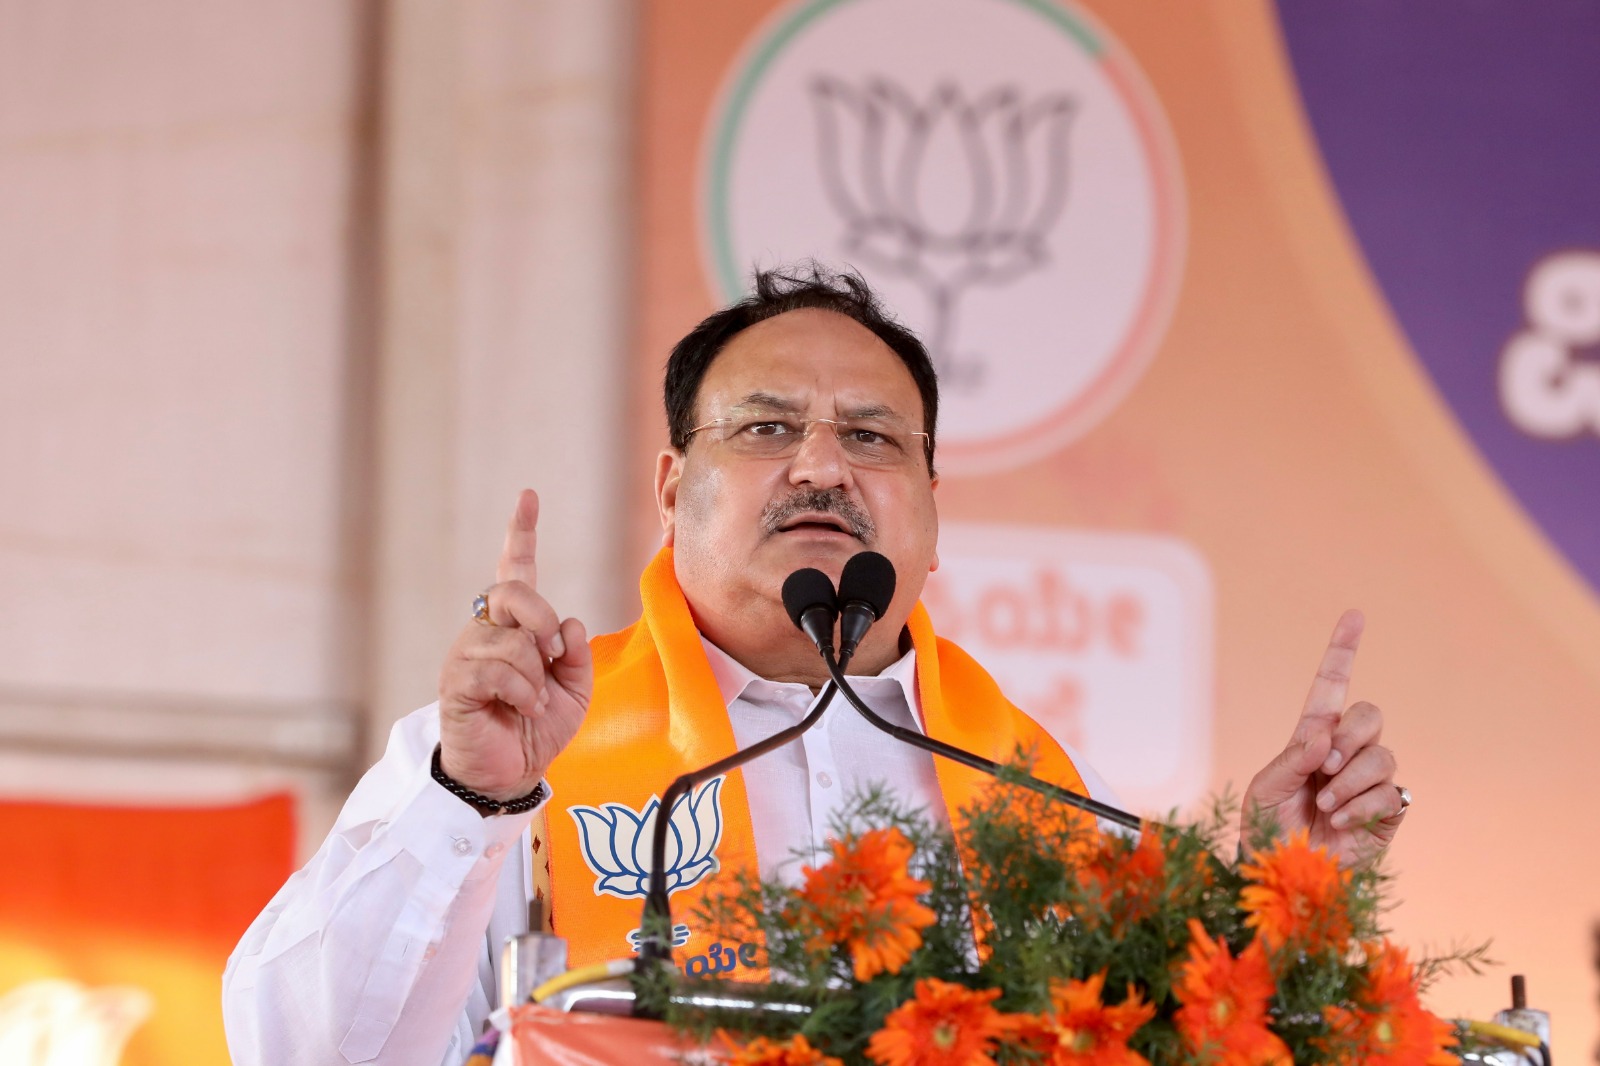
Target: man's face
x: 740, y: 523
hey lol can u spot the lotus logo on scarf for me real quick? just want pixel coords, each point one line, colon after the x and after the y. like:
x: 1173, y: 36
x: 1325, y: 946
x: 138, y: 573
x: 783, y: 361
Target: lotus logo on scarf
x: 616, y: 842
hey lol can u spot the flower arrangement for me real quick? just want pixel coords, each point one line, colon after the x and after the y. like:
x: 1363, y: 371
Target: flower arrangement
x: 1032, y: 936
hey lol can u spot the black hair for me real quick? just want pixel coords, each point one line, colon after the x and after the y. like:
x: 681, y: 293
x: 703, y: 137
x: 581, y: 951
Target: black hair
x: 777, y: 292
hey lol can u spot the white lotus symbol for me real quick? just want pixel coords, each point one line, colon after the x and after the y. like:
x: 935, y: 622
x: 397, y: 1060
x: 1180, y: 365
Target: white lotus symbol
x: 61, y: 1023
x: 950, y: 193
x: 616, y: 841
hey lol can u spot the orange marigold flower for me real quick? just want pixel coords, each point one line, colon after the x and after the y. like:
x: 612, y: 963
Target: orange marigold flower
x: 1390, y: 1026
x: 796, y: 1051
x: 1223, y: 1017
x: 1299, y: 896
x: 866, y: 898
x: 943, y: 1024
x: 1131, y: 879
x: 1081, y: 1030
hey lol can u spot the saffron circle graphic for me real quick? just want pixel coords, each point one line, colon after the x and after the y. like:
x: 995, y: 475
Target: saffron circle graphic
x: 1001, y: 173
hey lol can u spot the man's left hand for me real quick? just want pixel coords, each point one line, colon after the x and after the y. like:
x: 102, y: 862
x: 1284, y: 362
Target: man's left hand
x: 1333, y: 779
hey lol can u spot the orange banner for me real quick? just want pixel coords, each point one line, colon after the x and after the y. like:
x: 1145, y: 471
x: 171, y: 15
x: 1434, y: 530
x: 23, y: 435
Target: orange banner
x: 120, y: 919
x: 1219, y: 337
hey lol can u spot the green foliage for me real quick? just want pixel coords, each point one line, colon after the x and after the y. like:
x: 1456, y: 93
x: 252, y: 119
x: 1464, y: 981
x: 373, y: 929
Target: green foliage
x: 1026, y: 896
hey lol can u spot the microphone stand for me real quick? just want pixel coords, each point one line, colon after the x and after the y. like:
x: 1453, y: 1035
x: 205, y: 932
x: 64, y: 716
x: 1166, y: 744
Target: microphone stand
x: 977, y: 762
x: 656, y: 945
x: 655, y: 940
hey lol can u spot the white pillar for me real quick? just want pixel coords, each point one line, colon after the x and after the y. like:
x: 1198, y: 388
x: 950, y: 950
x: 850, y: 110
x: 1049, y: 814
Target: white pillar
x: 414, y: 379
x: 506, y: 312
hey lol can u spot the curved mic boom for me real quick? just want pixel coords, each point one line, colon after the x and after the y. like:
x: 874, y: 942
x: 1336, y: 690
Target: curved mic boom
x: 808, y: 597
x: 865, y: 588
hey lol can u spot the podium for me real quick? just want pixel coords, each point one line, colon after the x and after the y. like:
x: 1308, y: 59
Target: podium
x: 553, y: 1038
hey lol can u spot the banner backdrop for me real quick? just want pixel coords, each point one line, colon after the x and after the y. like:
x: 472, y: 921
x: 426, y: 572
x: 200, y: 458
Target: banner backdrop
x: 1244, y: 315
x: 115, y: 923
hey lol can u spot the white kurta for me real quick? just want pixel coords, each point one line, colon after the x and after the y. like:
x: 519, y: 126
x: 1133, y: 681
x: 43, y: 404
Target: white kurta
x: 384, y: 947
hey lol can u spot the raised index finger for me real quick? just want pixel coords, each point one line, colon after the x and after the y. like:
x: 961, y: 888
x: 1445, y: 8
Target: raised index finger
x: 1326, y: 700
x: 517, y: 562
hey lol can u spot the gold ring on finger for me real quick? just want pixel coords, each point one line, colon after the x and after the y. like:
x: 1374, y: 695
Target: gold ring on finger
x: 480, y: 609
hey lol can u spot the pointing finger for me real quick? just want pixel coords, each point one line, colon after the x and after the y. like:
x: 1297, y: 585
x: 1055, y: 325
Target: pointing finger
x: 517, y: 558
x: 1326, y: 700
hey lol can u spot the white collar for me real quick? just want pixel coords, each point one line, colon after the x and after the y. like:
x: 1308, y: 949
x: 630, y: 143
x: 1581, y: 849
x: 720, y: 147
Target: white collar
x: 733, y: 677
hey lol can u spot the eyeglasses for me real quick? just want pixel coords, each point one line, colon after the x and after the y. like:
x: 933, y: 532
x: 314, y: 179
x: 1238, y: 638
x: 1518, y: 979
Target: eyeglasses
x: 879, y: 442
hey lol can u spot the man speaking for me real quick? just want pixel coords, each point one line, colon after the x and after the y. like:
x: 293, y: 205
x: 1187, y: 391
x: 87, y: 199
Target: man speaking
x: 803, y: 424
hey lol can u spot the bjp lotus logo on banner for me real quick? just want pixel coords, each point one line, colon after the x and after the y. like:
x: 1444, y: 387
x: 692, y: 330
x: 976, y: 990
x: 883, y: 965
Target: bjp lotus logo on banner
x: 876, y: 149
x: 996, y: 168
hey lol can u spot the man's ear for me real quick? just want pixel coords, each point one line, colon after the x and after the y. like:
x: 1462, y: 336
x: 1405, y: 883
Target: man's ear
x: 934, y: 565
x: 669, y: 470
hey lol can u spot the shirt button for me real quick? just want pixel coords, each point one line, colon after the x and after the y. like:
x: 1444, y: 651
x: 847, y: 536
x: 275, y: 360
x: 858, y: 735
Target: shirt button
x: 463, y: 846
x: 825, y: 779
x: 493, y: 850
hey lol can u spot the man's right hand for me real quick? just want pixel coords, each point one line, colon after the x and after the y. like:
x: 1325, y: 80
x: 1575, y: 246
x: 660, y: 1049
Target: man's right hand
x: 512, y: 694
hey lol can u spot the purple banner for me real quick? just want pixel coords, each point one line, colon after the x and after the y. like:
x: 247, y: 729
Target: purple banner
x: 1461, y: 138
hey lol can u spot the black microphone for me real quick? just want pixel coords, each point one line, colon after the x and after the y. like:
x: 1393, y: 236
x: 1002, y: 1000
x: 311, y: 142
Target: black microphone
x: 809, y: 598
x: 865, y: 589
x: 866, y: 586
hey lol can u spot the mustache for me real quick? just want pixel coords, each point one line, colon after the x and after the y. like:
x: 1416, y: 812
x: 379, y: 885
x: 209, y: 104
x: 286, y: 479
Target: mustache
x: 833, y: 501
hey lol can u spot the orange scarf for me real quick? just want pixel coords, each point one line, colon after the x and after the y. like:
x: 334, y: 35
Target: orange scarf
x: 658, y: 713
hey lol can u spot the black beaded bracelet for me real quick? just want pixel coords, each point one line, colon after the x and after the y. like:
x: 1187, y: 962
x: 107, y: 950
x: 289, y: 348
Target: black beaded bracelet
x: 478, y: 800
